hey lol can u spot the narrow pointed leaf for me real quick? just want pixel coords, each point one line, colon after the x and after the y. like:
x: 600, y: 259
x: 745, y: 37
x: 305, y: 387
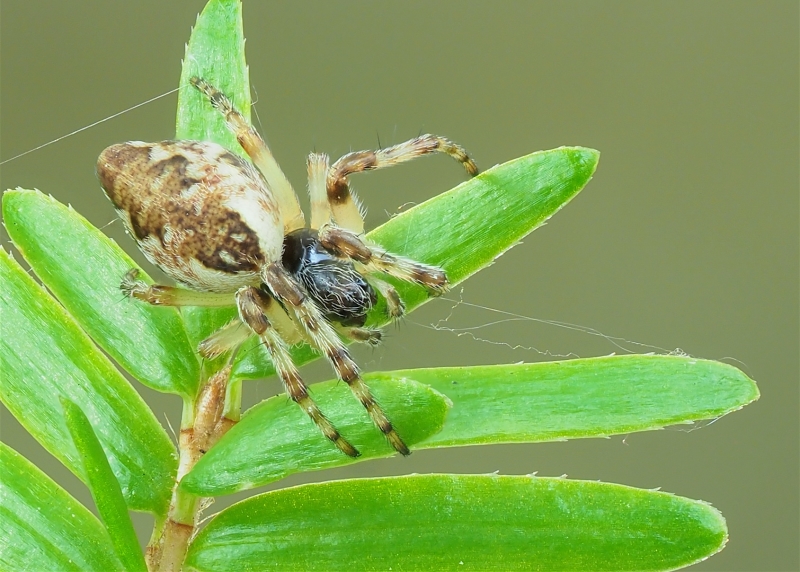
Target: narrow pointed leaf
x: 42, y: 527
x: 83, y: 268
x: 105, y: 489
x: 578, y: 398
x: 44, y: 356
x: 276, y: 438
x: 215, y: 52
x: 455, y: 522
x: 467, y: 228
x: 520, y: 403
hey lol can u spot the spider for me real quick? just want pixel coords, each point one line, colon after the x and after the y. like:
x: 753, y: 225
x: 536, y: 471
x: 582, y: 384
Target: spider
x: 233, y: 234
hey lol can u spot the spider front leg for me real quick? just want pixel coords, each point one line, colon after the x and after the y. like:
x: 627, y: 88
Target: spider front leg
x: 343, y: 206
x: 254, y: 307
x: 322, y: 217
x: 370, y: 336
x: 395, y: 306
x: 285, y: 289
x: 346, y: 244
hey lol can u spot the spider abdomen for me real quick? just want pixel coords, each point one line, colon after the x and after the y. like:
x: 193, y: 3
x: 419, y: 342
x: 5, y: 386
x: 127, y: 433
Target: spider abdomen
x: 334, y: 284
x: 199, y: 212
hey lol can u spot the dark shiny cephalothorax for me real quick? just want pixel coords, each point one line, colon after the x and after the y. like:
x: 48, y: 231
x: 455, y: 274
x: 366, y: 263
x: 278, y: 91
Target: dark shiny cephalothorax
x: 334, y: 284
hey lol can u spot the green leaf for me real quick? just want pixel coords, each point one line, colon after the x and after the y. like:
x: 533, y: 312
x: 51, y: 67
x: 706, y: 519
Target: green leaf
x: 42, y: 527
x: 453, y: 522
x: 467, y: 228
x: 215, y: 52
x: 276, y: 438
x: 105, y: 489
x: 83, y: 268
x: 519, y: 403
x: 44, y: 356
x: 577, y: 398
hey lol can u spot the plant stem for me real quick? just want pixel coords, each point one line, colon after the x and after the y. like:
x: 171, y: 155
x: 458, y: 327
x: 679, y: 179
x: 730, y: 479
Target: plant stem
x: 203, y: 424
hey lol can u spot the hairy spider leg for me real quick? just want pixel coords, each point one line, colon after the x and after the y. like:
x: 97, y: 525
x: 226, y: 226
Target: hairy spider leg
x: 343, y: 204
x: 159, y: 295
x: 318, y: 165
x: 348, y: 245
x: 259, y: 315
x: 258, y: 150
x: 226, y: 339
x: 234, y: 333
x: 369, y: 336
x: 286, y: 290
x: 395, y: 306
x: 253, y: 309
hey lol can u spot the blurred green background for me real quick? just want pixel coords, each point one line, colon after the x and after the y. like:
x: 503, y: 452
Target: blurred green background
x: 686, y: 238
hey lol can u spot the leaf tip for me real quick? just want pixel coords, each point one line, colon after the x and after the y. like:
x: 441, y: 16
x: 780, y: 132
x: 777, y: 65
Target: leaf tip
x: 584, y: 159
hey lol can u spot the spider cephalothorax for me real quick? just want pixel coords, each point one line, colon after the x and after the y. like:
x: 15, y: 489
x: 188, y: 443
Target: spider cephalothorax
x: 343, y: 295
x: 233, y: 233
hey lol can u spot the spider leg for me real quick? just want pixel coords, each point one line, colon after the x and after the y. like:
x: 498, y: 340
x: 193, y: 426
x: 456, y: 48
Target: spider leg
x: 347, y: 244
x: 369, y: 336
x: 318, y: 165
x: 253, y: 306
x: 343, y: 205
x: 159, y: 295
x: 394, y: 304
x: 285, y: 289
x: 227, y: 338
x: 258, y: 150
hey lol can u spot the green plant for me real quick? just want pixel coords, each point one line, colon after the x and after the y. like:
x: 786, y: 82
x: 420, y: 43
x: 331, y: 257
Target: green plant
x: 70, y: 396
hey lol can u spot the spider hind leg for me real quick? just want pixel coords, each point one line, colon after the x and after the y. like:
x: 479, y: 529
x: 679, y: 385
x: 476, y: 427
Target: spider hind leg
x: 348, y: 245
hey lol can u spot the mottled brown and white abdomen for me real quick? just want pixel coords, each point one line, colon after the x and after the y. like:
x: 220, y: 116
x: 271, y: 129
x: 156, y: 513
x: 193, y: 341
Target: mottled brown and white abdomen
x: 199, y: 212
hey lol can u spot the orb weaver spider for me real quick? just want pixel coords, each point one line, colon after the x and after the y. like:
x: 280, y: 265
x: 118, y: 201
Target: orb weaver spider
x: 232, y: 232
